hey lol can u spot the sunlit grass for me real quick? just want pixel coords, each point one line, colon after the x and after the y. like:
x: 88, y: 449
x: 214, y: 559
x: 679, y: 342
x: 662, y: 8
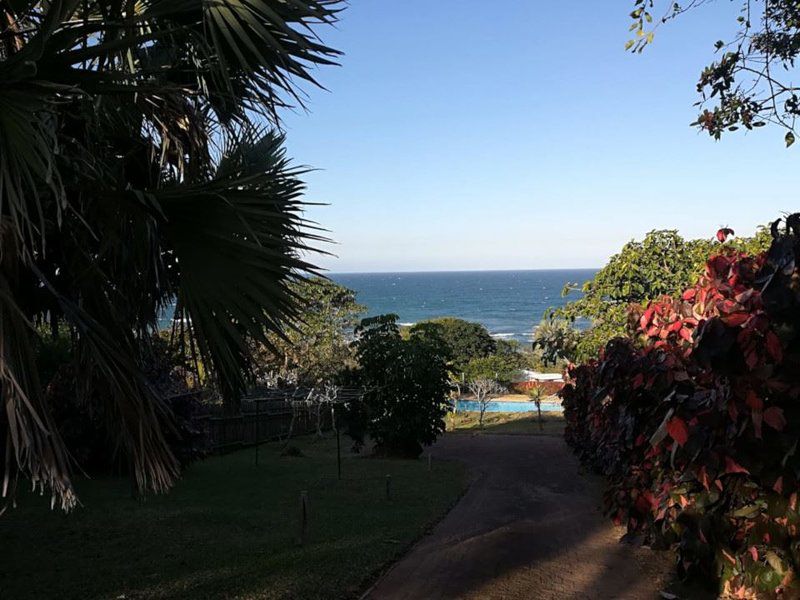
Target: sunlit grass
x: 552, y: 423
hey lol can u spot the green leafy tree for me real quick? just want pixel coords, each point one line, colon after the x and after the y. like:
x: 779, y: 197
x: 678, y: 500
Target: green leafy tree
x: 463, y: 340
x: 663, y: 263
x: 138, y: 167
x: 751, y: 83
x: 318, y: 345
x: 499, y: 367
x: 557, y: 340
x: 405, y: 383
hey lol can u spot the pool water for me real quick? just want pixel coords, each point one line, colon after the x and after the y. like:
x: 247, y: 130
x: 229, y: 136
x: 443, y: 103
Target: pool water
x: 509, y: 407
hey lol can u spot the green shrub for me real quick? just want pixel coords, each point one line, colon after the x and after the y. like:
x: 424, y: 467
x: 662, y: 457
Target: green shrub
x: 405, y: 385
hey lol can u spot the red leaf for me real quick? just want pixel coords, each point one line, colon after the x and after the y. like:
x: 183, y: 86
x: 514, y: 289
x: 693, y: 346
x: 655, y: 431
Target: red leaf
x: 689, y: 295
x: 724, y: 233
x: 773, y: 417
x: 778, y: 487
x: 736, y: 319
x: 774, y: 346
x: 753, y: 553
x: 646, y: 318
x: 758, y: 417
x: 676, y: 427
x: 753, y: 401
x: 702, y: 476
x: 732, y: 467
x: 745, y: 296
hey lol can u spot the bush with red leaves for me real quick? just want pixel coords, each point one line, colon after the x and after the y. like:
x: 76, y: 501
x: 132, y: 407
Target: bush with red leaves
x: 697, y: 431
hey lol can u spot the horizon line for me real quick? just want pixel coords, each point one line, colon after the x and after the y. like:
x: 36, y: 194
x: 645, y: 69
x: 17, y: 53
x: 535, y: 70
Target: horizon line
x: 434, y: 271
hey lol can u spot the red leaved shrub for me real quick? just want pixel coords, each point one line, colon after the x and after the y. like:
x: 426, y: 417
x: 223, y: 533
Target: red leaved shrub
x: 697, y: 427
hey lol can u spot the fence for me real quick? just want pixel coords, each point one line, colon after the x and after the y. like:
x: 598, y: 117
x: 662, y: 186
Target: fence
x: 274, y: 414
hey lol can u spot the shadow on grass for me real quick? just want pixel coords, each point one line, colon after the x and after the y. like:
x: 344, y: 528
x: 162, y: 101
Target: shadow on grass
x: 229, y: 529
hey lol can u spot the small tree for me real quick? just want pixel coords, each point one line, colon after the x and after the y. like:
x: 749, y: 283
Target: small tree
x: 405, y: 385
x: 536, y: 393
x: 484, y: 390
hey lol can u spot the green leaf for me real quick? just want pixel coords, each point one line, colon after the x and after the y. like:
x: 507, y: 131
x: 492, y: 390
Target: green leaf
x: 789, y: 139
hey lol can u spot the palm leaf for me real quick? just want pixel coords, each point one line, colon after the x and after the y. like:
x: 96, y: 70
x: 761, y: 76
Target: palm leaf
x: 238, y: 241
x: 131, y: 176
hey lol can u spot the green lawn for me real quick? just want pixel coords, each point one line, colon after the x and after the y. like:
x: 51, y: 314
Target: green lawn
x: 229, y: 529
x: 507, y: 423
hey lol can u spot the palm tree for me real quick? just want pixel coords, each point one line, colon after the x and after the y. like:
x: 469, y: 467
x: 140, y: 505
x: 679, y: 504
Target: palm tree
x: 140, y: 166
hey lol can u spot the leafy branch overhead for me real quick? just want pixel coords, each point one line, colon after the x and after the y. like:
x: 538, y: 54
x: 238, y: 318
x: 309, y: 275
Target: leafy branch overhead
x: 139, y: 165
x: 751, y: 83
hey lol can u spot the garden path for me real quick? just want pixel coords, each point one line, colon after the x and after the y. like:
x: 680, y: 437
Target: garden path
x: 530, y: 527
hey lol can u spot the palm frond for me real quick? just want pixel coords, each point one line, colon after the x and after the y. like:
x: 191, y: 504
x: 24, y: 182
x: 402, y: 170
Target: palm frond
x: 238, y: 240
x: 131, y: 175
x: 32, y: 445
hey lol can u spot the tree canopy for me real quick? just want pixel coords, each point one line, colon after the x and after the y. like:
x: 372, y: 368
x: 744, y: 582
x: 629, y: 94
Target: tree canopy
x: 318, y: 345
x: 661, y: 264
x: 462, y: 340
x: 139, y: 165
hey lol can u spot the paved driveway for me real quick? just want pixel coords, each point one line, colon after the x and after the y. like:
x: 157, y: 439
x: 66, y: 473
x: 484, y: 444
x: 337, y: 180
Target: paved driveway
x: 530, y: 527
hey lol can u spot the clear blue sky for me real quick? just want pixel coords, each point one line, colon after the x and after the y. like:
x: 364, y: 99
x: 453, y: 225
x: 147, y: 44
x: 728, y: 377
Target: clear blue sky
x: 465, y: 134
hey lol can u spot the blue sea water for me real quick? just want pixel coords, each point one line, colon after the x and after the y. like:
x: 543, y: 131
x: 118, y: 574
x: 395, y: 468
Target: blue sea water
x: 508, y: 303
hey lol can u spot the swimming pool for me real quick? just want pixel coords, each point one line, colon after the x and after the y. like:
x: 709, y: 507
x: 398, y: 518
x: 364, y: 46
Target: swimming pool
x: 512, y: 407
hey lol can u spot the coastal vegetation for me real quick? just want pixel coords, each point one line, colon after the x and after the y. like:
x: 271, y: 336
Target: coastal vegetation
x: 143, y: 173
x: 661, y: 264
x: 462, y: 341
x: 484, y: 390
x: 693, y: 418
x: 317, y: 346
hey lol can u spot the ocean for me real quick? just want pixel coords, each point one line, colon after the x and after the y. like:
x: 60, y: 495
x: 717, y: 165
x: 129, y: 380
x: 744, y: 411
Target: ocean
x: 508, y: 303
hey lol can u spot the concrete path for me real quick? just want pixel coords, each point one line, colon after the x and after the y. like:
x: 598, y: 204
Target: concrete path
x: 530, y: 527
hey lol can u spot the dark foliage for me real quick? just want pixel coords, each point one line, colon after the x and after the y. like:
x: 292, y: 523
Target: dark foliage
x: 461, y: 340
x: 140, y: 165
x: 405, y: 385
x: 697, y: 431
x: 80, y: 412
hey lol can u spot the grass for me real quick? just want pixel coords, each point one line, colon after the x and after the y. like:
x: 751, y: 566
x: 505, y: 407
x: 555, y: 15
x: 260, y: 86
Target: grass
x: 229, y: 529
x: 507, y: 423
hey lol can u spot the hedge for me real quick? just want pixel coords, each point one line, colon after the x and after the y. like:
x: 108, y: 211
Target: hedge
x: 695, y: 420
